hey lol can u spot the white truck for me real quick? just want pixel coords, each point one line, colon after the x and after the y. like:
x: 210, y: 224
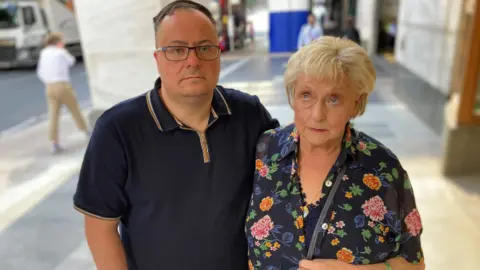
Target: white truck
x: 24, y: 25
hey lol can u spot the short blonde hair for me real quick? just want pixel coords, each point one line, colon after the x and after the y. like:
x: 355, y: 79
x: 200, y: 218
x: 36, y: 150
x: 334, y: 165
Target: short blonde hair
x: 53, y: 38
x: 335, y: 59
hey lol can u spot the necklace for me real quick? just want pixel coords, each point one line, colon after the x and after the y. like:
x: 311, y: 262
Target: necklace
x: 304, y: 194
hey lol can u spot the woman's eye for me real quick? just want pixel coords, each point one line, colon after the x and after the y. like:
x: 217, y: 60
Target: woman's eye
x: 305, y: 96
x: 333, y: 100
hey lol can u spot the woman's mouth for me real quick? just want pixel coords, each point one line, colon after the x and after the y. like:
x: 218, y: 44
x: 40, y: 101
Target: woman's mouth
x: 318, y: 130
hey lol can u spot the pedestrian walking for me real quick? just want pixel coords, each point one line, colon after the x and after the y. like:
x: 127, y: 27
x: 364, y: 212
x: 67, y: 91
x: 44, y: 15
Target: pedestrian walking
x: 54, y: 71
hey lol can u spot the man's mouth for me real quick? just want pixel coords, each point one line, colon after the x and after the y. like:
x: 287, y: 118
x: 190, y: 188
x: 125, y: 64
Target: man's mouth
x: 193, y: 77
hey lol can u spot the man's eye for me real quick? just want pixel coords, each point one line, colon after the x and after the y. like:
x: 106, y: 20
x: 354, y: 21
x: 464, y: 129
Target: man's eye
x: 178, y: 51
x: 204, y: 48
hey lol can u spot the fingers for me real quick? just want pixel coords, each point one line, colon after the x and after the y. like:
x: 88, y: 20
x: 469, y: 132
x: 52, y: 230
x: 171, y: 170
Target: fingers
x: 306, y: 265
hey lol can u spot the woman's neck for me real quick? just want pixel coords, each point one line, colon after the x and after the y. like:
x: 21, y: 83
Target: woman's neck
x: 325, y: 152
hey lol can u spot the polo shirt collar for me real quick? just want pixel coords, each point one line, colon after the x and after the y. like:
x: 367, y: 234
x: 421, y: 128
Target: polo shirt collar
x: 165, y: 121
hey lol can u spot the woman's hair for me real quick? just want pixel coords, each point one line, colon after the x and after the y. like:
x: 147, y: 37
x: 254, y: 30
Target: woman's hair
x: 336, y: 59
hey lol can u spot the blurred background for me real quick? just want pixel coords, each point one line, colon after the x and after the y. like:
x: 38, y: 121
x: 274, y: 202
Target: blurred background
x: 425, y: 107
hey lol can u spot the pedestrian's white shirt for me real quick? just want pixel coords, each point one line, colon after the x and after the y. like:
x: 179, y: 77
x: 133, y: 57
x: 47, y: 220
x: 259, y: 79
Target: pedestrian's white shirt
x: 308, y: 33
x: 54, y: 64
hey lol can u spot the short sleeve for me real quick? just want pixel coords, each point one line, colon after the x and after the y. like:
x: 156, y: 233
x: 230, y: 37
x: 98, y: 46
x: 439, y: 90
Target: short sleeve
x: 266, y: 120
x: 101, y: 185
x: 408, y: 242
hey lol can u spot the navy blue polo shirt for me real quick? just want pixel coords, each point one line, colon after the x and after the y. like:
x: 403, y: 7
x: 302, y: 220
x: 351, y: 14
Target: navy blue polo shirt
x: 181, y: 195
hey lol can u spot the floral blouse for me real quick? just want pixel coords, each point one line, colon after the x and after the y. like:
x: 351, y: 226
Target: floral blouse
x: 373, y: 216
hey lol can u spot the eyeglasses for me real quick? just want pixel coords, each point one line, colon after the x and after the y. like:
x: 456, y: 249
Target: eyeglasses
x: 180, y: 53
x: 306, y: 100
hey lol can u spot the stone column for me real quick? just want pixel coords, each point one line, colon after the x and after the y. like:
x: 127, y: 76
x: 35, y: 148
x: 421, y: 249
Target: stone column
x: 118, y: 43
x: 286, y: 20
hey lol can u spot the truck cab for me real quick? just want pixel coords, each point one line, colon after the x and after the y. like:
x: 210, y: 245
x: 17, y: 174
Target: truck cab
x: 25, y: 24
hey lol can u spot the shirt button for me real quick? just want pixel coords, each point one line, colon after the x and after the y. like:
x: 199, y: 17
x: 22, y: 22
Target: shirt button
x: 324, y: 226
x: 328, y: 183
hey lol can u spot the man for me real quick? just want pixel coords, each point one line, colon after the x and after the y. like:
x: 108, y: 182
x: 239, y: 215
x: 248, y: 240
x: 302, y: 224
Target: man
x: 351, y: 32
x: 53, y: 70
x: 309, y: 32
x: 174, y: 167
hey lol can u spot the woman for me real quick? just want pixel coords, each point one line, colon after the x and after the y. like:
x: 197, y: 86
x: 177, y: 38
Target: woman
x: 326, y: 196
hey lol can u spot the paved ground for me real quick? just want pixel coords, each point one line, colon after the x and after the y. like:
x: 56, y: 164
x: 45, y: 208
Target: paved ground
x: 39, y: 229
x: 22, y: 98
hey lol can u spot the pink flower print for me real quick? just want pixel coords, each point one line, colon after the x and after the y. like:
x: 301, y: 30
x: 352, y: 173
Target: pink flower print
x: 414, y: 222
x: 257, y: 243
x: 331, y: 229
x: 261, y: 229
x: 345, y: 178
x: 340, y: 224
x: 362, y: 146
x: 374, y: 208
x: 371, y: 224
x: 264, y: 171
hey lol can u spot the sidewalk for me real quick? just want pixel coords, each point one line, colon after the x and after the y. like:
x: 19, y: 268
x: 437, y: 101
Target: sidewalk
x: 29, y: 171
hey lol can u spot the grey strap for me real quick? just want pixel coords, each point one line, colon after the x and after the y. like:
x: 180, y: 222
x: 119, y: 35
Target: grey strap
x: 316, y: 233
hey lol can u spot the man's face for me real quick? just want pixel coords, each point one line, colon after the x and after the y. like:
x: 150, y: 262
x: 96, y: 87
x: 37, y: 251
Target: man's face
x: 311, y: 19
x: 191, y: 77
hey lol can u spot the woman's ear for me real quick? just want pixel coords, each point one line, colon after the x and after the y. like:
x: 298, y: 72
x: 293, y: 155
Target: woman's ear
x: 360, y: 104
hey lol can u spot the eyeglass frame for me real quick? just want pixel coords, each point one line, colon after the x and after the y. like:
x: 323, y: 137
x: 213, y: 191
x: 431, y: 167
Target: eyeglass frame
x: 164, y: 50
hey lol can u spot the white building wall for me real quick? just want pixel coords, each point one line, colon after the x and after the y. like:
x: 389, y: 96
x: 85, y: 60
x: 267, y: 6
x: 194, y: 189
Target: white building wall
x: 426, y: 35
x: 367, y: 23
x: 426, y: 38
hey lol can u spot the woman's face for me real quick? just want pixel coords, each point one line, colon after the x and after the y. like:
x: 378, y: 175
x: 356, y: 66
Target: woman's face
x: 322, y: 109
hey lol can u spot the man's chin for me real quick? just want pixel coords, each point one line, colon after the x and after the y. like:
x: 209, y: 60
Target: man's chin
x: 197, y: 91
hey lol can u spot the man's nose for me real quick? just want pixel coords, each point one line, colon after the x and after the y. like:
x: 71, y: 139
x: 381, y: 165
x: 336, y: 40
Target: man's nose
x: 192, y: 58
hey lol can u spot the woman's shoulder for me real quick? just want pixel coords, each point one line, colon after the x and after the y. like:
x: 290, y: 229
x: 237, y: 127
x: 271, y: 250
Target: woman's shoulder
x: 279, y: 134
x: 278, y: 139
x: 372, y: 153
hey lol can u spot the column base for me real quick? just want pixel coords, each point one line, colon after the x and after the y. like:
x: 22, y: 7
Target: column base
x: 462, y: 151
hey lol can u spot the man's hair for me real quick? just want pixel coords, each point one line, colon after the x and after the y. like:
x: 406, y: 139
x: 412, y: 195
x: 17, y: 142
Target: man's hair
x: 180, y: 4
x: 53, y: 39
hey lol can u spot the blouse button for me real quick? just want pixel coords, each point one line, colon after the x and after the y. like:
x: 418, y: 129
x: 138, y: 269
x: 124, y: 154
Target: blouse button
x: 324, y: 226
x: 328, y: 183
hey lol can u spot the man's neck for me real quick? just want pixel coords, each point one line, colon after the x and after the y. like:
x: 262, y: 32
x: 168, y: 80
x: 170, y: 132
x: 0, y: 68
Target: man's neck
x: 192, y: 112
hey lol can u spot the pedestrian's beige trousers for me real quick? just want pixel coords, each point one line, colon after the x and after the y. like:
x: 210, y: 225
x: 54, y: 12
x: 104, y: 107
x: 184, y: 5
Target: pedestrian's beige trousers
x: 59, y: 94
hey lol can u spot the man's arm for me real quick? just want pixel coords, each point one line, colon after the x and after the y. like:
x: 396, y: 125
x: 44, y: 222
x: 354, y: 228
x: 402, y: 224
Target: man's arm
x: 320, y: 31
x: 69, y: 58
x: 105, y: 244
x: 266, y: 120
x: 40, y: 71
x: 300, y: 41
x: 101, y: 195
